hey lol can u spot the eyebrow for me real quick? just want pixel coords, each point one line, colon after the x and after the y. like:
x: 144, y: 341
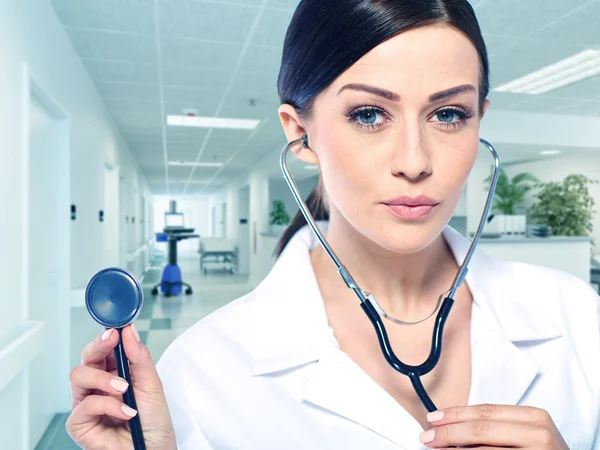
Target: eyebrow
x: 389, y: 95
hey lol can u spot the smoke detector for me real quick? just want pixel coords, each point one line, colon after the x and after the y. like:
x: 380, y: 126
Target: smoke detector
x: 190, y: 112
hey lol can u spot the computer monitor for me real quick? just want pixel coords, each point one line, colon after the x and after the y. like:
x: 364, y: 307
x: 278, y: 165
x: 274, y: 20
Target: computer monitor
x: 174, y: 220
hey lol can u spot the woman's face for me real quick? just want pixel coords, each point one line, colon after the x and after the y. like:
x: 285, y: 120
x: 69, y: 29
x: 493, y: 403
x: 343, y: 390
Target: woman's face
x: 397, y: 134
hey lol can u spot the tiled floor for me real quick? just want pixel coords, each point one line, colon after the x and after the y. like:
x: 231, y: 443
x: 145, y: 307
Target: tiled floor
x: 162, y: 319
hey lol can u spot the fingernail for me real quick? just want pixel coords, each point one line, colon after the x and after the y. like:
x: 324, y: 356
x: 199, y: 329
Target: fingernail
x: 106, y: 335
x: 128, y: 411
x: 135, y: 332
x: 427, y: 436
x: 119, y: 385
x: 435, y: 416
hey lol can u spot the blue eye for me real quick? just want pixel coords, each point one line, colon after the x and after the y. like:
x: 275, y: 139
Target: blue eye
x: 448, y: 115
x: 367, y: 117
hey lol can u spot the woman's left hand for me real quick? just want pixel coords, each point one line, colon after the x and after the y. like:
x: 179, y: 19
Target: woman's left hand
x: 493, y: 427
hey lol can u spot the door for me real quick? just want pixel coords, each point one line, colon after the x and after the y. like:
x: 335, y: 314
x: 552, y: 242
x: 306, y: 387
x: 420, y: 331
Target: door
x: 244, y: 231
x: 48, y: 273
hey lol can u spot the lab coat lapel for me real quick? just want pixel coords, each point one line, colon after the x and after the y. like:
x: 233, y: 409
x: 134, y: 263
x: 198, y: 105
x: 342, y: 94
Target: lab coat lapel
x: 340, y: 386
x: 502, y: 322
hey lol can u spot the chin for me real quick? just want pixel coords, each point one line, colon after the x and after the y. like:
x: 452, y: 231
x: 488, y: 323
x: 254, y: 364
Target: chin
x: 408, y: 238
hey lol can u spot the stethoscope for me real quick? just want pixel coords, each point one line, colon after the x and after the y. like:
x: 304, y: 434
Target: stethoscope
x: 367, y: 300
x: 114, y: 299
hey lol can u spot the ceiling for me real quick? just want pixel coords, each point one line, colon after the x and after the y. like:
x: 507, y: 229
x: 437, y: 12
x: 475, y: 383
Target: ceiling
x: 150, y: 58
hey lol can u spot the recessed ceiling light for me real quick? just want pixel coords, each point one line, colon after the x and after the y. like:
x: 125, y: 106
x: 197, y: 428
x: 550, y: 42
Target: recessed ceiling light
x: 550, y: 152
x: 312, y: 167
x: 195, y: 164
x: 211, y: 122
x: 570, y: 70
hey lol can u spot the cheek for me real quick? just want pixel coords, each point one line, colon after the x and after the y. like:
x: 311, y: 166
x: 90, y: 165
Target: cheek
x: 452, y: 168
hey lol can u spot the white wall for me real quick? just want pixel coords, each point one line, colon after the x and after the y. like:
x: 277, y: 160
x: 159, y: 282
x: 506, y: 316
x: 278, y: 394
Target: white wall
x: 30, y: 33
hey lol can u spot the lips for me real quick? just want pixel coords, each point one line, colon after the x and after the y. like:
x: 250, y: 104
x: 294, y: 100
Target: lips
x: 411, y: 208
x: 422, y: 200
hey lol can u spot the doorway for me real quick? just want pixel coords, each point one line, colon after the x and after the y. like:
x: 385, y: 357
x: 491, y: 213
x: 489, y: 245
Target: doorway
x: 244, y: 231
x: 48, y: 246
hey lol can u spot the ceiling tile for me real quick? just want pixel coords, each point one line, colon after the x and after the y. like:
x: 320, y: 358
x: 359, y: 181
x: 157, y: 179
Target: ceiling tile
x: 203, y: 99
x: 575, y: 29
x: 121, y: 47
x: 518, y: 18
x: 124, y: 72
x: 131, y: 16
x: 540, y: 104
x: 182, y: 52
x: 261, y: 59
x: 127, y: 91
x: 199, y: 20
x: 272, y: 28
x: 206, y: 78
x: 283, y: 4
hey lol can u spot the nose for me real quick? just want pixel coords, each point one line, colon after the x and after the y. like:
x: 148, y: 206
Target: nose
x: 411, y: 157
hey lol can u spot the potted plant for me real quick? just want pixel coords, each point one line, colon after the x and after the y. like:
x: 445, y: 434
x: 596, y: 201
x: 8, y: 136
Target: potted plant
x: 567, y: 207
x: 510, y: 198
x: 280, y: 219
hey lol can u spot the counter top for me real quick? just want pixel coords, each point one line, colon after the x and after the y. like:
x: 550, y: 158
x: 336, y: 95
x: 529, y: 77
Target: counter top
x: 535, y: 239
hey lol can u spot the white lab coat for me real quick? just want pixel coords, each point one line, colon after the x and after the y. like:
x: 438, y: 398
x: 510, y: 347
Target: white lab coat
x: 265, y: 372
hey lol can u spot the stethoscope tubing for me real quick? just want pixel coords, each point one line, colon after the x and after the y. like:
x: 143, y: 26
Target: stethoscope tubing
x: 374, y: 312
x: 135, y: 426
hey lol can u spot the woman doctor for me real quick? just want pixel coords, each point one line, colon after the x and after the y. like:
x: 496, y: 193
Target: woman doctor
x: 390, y: 94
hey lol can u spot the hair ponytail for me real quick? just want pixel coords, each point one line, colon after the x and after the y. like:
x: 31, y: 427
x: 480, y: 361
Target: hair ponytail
x: 318, y: 208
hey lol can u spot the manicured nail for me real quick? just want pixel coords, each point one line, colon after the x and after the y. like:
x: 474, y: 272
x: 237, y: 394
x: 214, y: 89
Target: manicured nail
x: 106, y: 335
x: 427, y: 436
x: 435, y: 416
x: 119, y: 384
x: 128, y: 411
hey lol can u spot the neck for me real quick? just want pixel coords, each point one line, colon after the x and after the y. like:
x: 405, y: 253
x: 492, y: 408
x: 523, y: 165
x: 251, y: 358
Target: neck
x: 406, y: 285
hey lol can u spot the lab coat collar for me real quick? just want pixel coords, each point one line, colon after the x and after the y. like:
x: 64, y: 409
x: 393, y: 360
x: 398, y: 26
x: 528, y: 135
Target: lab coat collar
x: 297, y: 334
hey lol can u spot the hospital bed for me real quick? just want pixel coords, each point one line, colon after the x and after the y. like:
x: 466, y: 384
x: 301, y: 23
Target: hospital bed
x: 218, y: 253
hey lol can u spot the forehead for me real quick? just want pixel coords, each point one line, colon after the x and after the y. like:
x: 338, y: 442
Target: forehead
x: 424, y: 59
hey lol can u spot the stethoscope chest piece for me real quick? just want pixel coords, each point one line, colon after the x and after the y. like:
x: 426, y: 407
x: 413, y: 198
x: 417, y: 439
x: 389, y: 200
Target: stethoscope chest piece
x: 114, y: 298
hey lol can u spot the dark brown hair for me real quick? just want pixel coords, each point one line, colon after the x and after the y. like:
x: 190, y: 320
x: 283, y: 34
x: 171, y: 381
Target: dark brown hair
x: 326, y: 37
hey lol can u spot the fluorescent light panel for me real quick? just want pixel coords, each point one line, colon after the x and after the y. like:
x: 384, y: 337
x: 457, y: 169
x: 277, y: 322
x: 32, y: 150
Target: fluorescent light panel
x: 570, y: 70
x: 211, y: 122
x: 195, y: 164
x: 550, y: 152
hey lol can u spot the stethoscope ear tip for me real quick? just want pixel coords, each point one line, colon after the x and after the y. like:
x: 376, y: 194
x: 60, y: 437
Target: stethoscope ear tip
x: 305, y: 139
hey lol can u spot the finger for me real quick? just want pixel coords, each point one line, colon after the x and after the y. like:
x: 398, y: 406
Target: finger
x: 94, y: 406
x: 101, y: 349
x: 84, y: 379
x: 501, y: 413
x: 481, y: 432
x: 143, y: 369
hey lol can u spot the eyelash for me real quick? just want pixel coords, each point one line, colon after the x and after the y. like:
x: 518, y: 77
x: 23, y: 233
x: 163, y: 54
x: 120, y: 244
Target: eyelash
x: 463, y: 114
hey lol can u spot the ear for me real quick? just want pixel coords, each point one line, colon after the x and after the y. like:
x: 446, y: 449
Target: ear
x: 294, y: 128
x: 486, y: 105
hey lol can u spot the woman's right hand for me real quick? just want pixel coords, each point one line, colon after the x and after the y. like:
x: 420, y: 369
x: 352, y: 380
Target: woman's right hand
x: 99, y: 419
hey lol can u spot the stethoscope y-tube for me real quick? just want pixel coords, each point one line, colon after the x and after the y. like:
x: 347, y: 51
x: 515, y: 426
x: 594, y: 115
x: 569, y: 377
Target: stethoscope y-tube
x: 368, y: 302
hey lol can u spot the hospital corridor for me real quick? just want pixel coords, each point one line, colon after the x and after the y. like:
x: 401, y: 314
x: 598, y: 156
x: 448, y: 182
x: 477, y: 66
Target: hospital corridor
x: 143, y: 177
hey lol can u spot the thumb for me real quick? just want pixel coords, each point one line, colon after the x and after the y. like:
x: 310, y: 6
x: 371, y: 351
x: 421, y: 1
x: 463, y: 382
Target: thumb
x: 143, y: 371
